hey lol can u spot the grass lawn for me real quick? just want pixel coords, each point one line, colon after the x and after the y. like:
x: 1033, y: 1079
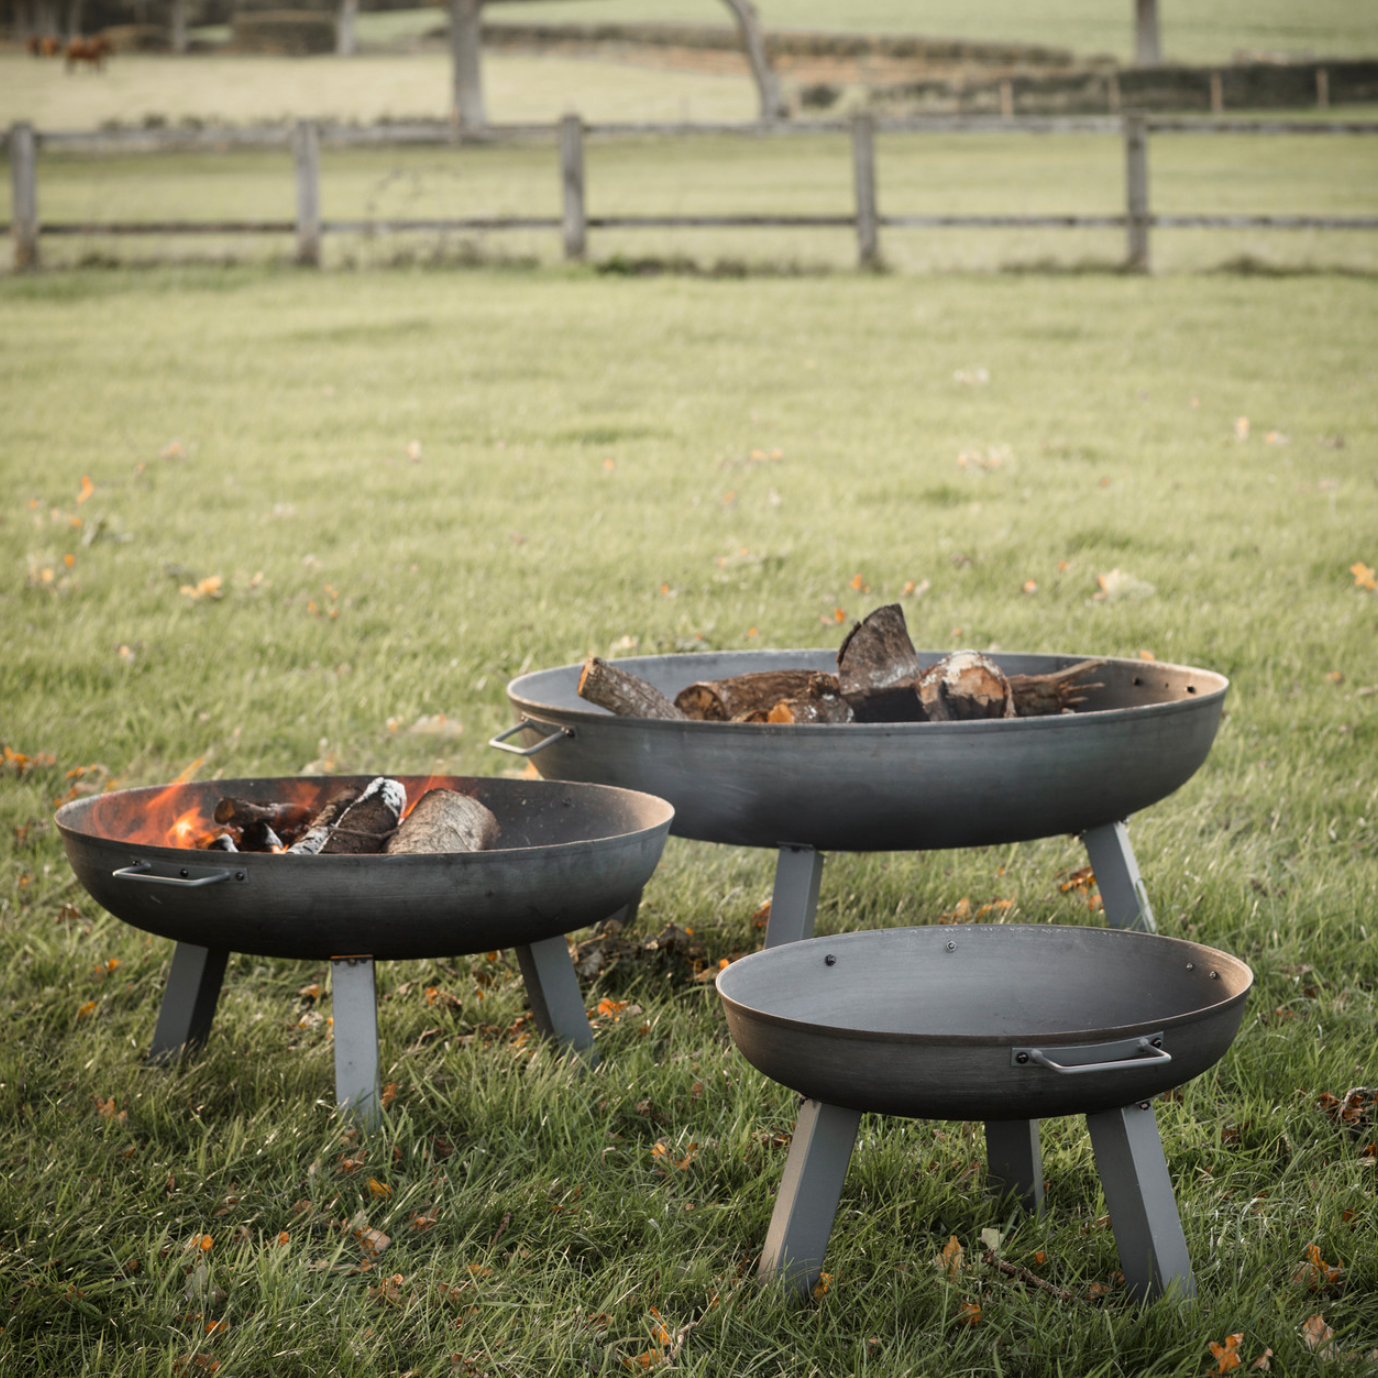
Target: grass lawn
x: 583, y: 480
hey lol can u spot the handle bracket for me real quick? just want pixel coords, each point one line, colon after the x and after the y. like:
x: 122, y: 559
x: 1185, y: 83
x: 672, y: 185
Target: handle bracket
x: 1123, y: 1054
x: 500, y: 741
x: 175, y: 874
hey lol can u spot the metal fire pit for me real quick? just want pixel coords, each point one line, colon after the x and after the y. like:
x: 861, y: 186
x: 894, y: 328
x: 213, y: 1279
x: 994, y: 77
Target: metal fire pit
x: 569, y: 855
x: 1004, y: 1023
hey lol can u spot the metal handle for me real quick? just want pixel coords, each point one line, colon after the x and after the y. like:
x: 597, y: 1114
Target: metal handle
x: 143, y: 871
x: 500, y: 741
x: 1085, y: 1058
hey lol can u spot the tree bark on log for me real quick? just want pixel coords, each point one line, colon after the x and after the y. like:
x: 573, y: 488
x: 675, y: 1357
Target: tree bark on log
x: 1060, y: 692
x: 877, y: 668
x: 330, y: 813
x: 965, y: 686
x: 445, y: 821
x: 366, y: 825
x: 741, y: 697
x: 239, y: 813
x: 623, y: 693
x: 825, y: 708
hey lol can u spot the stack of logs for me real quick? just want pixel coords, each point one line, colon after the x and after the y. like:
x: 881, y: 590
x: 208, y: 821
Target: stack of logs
x: 356, y: 821
x: 878, y: 679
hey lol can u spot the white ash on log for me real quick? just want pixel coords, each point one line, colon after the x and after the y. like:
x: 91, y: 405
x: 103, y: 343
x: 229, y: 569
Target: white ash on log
x: 742, y: 697
x: 623, y: 693
x: 223, y: 843
x: 964, y: 687
x: 444, y: 820
x: 369, y: 821
x: 877, y: 668
x: 1059, y: 692
x: 825, y: 708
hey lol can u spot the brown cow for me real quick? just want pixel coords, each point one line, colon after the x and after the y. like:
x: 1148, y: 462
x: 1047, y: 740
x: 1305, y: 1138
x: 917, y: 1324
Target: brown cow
x: 92, y: 51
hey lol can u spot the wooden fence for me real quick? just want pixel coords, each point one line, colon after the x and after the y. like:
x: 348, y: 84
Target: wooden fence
x: 574, y: 224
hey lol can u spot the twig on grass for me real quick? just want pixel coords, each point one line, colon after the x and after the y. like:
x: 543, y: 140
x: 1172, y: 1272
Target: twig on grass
x: 1014, y: 1270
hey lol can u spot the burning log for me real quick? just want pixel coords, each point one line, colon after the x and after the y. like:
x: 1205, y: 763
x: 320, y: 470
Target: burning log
x: 623, y: 693
x: 824, y: 708
x: 281, y: 818
x: 368, y: 822
x: 318, y: 834
x: 1037, y: 695
x: 223, y: 843
x: 743, y: 698
x: 877, y: 668
x: 444, y: 820
x: 963, y: 687
x: 258, y: 836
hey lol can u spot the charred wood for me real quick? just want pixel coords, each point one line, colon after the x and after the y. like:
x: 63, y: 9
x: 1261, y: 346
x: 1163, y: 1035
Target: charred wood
x: 877, y: 668
x: 623, y: 693
x: 282, y: 818
x: 369, y: 821
x: 741, y: 697
x: 318, y: 833
x: 445, y: 821
x: 1059, y: 692
x: 223, y: 843
x: 259, y: 836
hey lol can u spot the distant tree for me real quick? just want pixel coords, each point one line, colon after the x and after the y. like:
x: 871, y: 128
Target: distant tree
x: 773, y: 104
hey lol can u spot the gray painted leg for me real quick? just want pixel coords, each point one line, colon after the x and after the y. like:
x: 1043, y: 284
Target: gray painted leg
x: 1014, y: 1161
x: 626, y: 916
x: 193, y: 987
x: 354, y: 1002
x: 795, y: 898
x: 1122, y: 893
x: 1143, y: 1210
x: 809, y: 1193
x: 556, y: 1000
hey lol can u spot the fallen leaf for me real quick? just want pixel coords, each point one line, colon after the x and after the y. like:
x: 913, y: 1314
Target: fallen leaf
x: 1364, y: 576
x: 820, y: 1288
x: 1316, y: 1275
x: 949, y: 1261
x: 379, y: 1188
x: 372, y: 1242
x: 1317, y: 1336
x: 87, y: 488
x: 1227, y: 1355
x: 1115, y: 586
x: 970, y: 1314
x: 389, y: 1290
x: 1241, y: 428
x: 209, y: 587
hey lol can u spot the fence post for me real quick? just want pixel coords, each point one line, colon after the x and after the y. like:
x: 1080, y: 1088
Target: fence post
x: 1322, y: 89
x: 306, y: 148
x: 24, y: 196
x: 1136, y: 185
x: 864, y: 176
x: 572, y: 186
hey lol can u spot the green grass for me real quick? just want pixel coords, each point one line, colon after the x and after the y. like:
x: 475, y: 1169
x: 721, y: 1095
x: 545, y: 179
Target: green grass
x: 581, y: 483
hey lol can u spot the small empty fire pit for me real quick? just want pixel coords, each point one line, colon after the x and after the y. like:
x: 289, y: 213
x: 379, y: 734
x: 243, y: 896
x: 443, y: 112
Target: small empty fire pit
x: 567, y: 855
x: 1001, y: 1023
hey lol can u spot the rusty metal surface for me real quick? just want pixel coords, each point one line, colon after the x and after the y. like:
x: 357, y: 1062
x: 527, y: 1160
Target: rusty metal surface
x: 884, y: 786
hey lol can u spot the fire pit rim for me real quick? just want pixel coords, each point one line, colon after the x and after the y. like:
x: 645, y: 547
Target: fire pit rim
x: 1225, y: 962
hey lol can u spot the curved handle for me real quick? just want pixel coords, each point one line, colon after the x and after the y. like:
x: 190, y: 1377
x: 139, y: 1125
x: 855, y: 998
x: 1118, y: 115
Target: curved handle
x: 500, y: 741
x: 142, y: 871
x: 1084, y: 1059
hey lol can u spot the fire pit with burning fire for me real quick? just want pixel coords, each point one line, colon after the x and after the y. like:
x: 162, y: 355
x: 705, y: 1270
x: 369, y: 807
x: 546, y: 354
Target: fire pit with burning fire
x: 356, y: 870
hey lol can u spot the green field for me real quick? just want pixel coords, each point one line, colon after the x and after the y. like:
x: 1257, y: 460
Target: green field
x: 486, y: 471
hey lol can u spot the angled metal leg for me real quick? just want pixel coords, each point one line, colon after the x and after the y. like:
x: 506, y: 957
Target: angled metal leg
x: 1143, y: 1210
x: 1122, y: 893
x: 794, y: 901
x: 354, y: 1004
x: 556, y: 1000
x: 809, y: 1193
x: 1014, y: 1162
x: 193, y: 987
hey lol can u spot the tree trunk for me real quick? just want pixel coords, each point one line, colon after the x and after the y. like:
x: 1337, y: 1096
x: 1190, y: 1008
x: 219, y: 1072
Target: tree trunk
x: 179, y: 26
x: 773, y: 105
x: 344, y: 28
x: 466, y: 103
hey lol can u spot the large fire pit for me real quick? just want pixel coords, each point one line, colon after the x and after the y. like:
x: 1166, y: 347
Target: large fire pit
x: 568, y: 855
x: 1004, y: 1023
x: 804, y: 790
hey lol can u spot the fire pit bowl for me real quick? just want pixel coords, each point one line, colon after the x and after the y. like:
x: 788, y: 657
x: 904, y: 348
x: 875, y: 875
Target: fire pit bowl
x: 1002, y: 1023
x: 568, y: 855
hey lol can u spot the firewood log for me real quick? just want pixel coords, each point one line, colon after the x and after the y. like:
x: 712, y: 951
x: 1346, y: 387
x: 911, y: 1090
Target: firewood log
x: 330, y: 813
x: 282, y: 818
x: 1059, y: 692
x: 223, y: 843
x: 740, y: 697
x: 963, y: 687
x: 444, y: 821
x: 369, y: 821
x: 824, y: 708
x: 620, y: 692
x: 259, y: 837
x: 877, y: 668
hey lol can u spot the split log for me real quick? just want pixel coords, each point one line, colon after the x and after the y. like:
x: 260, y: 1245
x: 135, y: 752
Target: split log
x: 330, y: 813
x: 623, y: 693
x: 825, y: 708
x: 877, y: 668
x: 444, y: 821
x: 282, y: 818
x: 1060, y: 692
x: 369, y: 821
x: 742, y: 697
x: 963, y: 687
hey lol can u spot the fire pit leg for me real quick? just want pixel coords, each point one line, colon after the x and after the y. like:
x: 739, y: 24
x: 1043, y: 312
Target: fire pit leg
x: 1014, y: 1162
x: 556, y: 1000
x: 1122, y: 893
x: 809, y: 1192
x: 1143, y: 1210
x: 354, y: 1004
x: 795, y: 897
x: 193, y: 987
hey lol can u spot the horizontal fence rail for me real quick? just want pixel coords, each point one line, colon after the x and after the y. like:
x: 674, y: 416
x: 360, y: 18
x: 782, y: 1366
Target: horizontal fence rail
x: 306, y: 139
